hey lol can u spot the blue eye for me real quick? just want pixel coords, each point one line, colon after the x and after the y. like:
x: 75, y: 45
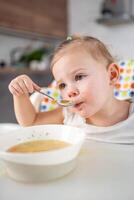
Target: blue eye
x: 62, y: 86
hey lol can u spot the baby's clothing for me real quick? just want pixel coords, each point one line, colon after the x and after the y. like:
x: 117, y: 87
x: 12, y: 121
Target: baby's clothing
x: 122, y: 132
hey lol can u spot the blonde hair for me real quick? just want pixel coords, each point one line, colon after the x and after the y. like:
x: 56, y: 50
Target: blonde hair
x: 94, y: 46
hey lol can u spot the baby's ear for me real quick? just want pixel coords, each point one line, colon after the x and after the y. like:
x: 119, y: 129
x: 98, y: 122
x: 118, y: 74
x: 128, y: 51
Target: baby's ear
x: 113, y: 71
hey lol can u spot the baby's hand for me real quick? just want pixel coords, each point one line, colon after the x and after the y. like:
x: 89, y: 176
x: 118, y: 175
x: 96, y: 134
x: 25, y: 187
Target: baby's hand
x: 22, y: 85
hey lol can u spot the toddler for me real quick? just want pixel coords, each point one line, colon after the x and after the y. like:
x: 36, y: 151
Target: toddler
x: 85, y: 73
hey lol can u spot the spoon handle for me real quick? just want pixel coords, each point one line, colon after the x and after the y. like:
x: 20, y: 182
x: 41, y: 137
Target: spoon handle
x: 46, y: 95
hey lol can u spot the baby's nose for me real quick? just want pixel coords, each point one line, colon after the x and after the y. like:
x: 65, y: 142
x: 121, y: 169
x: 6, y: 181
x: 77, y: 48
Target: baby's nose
x: 73, y: 93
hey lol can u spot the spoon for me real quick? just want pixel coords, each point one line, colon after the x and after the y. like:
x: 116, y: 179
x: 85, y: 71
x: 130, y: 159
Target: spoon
x: 62, y: 102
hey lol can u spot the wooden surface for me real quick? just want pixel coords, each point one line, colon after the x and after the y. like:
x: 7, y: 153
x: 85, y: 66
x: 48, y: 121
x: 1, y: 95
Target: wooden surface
x: 44, y: 17
x: 21, y: 70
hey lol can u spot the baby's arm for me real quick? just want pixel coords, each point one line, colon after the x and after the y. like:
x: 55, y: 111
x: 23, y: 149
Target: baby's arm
x: 24, y: 110
x: 25, y: 113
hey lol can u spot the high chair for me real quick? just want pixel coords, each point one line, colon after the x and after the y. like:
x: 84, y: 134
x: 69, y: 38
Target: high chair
x: 124, y: 87
x: 42, y: 103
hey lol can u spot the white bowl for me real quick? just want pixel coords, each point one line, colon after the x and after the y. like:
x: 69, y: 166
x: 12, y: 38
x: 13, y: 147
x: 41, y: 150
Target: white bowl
x: 6, y: 127
x: 41, y: 166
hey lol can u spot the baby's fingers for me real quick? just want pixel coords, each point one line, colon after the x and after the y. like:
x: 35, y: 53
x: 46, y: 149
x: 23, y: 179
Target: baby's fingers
x: 36, y: 87
x: 30, y: 85
x: 23, y: 86
x: 15, y: 89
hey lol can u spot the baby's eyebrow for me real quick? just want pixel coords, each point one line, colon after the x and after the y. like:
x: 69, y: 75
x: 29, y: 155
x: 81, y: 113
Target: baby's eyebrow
x: 77, y: 70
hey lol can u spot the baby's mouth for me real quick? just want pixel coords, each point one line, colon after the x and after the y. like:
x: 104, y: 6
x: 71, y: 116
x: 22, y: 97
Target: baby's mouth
x: 76, y: 105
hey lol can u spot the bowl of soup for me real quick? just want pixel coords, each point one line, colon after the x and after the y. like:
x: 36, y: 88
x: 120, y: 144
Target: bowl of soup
x: 41, y: 153
x: 6, y: 127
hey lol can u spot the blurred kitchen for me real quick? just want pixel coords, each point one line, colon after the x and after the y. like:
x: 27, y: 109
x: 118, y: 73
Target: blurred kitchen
x: 30, y: 31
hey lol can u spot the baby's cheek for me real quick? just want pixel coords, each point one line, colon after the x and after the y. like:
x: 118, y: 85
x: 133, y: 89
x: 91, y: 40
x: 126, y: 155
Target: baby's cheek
x: 87, y: 95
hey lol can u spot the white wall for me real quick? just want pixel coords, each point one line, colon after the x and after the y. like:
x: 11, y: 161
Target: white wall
x: 82, y: 16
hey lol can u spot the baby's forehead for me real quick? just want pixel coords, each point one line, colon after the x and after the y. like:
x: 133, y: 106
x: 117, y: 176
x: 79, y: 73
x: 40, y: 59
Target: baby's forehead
x: 72, y: 54
x: 69, y: 49
x: 78, y: 50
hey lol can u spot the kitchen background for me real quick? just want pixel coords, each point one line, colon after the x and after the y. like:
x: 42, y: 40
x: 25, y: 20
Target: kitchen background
x: 27, y: 49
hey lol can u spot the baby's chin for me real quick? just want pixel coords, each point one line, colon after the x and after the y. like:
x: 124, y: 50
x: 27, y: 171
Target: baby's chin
x: 82, y: 113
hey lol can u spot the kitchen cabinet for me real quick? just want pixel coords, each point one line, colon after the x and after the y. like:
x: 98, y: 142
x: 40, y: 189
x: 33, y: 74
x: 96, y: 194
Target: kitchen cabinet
x: 42, y: 18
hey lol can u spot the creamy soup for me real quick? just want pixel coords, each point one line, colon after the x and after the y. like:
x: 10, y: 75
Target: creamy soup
x: 38, y: 146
